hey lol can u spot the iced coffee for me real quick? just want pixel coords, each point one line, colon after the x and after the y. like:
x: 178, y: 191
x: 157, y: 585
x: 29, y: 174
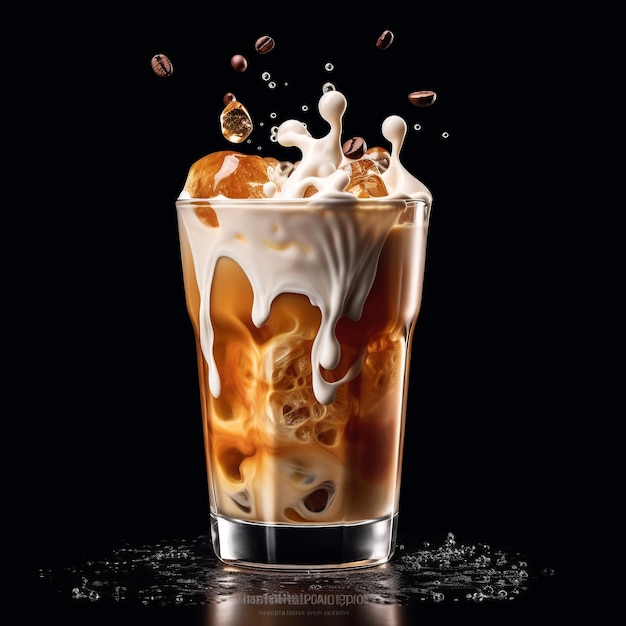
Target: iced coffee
x: 303, y: 285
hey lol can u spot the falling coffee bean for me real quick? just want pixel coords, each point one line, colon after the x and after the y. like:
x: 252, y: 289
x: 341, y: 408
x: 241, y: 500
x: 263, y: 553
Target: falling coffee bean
x: 354, y: 148
x: 161, y: 65
x: 264, y: 44
x: 239, y: 63
x: 385, y: 40
x: 422, y: 98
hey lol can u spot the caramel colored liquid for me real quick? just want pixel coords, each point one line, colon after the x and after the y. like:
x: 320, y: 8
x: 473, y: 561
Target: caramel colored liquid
x: 274, y: 453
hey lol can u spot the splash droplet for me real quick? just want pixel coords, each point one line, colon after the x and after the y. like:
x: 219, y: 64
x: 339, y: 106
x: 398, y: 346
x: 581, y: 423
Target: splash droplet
x: 235, y: 122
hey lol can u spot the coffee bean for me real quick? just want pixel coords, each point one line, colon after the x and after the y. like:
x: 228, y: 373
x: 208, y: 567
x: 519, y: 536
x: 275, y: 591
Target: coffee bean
x: 239, y: 63
x: 354, y: 148
x: 228, y: 98
x: 385, y: 40
x: 264, y: 44
x: 422, y: 98
x: 161, y: 65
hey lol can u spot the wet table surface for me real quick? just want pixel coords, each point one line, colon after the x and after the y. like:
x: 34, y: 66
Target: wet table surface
x: 180, y: 581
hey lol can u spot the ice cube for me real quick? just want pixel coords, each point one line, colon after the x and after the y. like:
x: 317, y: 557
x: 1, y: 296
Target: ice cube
x: 380, y: 156
x: 365, y: 179
x: 229, y: 173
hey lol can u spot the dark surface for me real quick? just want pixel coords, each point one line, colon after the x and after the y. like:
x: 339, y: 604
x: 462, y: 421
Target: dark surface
x: 104, y: 376
x: 180, y: 579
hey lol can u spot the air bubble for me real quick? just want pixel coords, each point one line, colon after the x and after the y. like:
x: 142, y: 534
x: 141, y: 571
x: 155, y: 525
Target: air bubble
x: 305, y: 107
x: 266, y: 76
x: 271, y: 84
x: 445, y: 134
x: 326, y: 87
x: 273, y: 115
x: 417, y: 127
x: 329, y: 67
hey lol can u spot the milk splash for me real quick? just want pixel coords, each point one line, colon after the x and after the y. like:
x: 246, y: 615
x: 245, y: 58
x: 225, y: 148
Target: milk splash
x: 321, y: 157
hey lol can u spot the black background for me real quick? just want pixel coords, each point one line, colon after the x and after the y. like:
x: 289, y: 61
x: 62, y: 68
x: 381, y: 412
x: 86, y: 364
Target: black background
x: 105, y: 370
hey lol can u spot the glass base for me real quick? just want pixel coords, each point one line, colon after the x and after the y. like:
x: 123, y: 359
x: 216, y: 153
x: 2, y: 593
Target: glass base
x: 303, y: 547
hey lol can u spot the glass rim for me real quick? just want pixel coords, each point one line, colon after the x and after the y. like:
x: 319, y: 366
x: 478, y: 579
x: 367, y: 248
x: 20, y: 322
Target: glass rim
x: 310, y: 203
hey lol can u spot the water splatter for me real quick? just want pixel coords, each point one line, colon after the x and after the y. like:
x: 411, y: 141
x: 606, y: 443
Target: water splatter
x: 186, y: 572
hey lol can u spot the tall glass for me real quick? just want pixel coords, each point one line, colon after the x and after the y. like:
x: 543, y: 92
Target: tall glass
x: 303, y: 314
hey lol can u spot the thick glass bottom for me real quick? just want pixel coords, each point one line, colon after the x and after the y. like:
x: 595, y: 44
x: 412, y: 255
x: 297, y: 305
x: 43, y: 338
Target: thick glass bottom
x: 303, y: 547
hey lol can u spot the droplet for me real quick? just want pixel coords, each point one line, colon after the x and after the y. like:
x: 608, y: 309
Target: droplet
x: 235, y: 122
x: 326, y: 87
